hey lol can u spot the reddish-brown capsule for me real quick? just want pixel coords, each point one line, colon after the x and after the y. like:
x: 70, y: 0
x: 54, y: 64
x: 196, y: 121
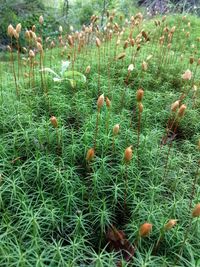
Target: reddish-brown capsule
x: 33, y: 28
x: 196, y: 211
x: 90, y: 154
x: 100, y: 101
x: 18, y: 28
x: 33, y: 35
x: 140, y: 94
x: 181, y: 110
x: 27, y: 34
x: 132, y: 42
x: 39, y: 46
x: 128, y: 154
x: 54, y: 121
x: 108, y: 102
x: 10, y: 30
x: 116, y: 129
x: 145, y: 229
x: 70, y: 41
x: 140, y: 107
x: 125, y: 44
x: 98, y: 42
x: 170, y: 224
x: 15, y: 34
x: 175, y: 106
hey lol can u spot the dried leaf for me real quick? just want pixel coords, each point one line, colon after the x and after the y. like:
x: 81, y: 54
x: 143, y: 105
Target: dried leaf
x: 121, y: 55
x: 169, y: 138
x: 118, y: 242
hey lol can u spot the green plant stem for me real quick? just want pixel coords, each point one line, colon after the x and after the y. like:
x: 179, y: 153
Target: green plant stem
x: 13, y: 66
x: 96, y: 128
x: 126, y: 185
x: 99, y: 70
x: 138, y: 135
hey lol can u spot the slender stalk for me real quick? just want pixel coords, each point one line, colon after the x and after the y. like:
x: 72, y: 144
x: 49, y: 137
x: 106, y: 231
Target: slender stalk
x: 96, y: 128
x: 41, y: 67
x: 33, y: 69
x: 30, y: 71
x: 138, y: 135
x: 73, y: 59
x: 168, y: 129
x: 13, y: 67
x: 99, y: 69
x: 18, y: 58
x: 109, y: 80
x: 58, y: 141
x: 138, y: 129
x: 126, y: 185
x: 107, y: 120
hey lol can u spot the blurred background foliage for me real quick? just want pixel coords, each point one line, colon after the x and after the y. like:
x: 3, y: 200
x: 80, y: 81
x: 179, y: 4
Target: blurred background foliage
x: 78, y: 12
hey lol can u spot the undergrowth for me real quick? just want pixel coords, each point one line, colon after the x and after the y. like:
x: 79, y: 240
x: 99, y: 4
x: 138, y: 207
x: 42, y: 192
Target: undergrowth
x: 71, y: 194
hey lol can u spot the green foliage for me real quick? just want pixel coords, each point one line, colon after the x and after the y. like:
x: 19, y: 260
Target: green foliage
x: 85, y: 14
x: 56, y: 207
x: 27, y: 13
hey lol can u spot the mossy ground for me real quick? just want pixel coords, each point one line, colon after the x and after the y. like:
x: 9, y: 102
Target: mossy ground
x: 55, y: 207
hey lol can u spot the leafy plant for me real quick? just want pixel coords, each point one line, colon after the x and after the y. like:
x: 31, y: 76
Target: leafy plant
x: 73, y: 77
